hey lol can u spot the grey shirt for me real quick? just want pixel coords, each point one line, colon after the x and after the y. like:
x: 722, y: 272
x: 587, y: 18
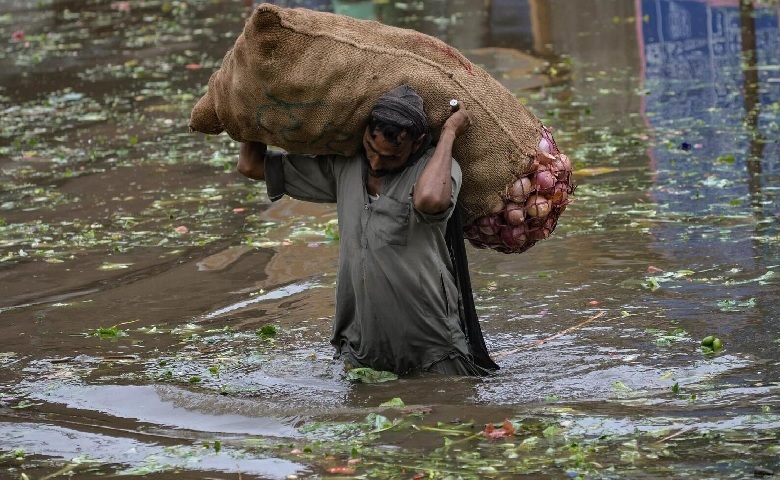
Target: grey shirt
x: 396, y: 298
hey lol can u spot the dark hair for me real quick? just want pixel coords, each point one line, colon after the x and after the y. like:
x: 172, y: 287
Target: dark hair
x: 392, y: 130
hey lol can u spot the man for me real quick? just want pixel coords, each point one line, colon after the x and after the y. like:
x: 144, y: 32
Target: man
x: 398, y: 305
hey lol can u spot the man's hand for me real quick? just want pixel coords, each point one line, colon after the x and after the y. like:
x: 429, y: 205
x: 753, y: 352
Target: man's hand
x: 251, y: 160
x: 459, y: 121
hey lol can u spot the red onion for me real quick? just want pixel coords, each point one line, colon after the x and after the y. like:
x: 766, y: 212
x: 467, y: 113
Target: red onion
x: 513, y: 237
x: 544, y: 145
x: 520, y: 236
x: 506, y: 236
x: 486, y: 225
x: 544, y: 158
x: 545, y: 181
x: 515, y: 213
x: 537, y: 206
x: 547, y: 135
x: 497, y: 206
x: 520, y: 189
x: 558, y: 168
x: 566, y: 162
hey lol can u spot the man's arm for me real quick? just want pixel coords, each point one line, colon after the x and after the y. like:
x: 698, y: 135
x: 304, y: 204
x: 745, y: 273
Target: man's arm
x: 433, y: 190
x: 251, y: 160
x: 304, y: 177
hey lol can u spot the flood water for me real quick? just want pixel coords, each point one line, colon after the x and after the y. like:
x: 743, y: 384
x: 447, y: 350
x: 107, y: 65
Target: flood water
x: 160, y: 317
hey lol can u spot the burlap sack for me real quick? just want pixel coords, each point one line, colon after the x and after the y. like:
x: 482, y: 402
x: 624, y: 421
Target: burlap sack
x: 305, y: 81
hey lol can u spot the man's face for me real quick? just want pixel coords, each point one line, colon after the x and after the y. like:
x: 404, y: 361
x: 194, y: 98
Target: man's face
x: 385, y: 156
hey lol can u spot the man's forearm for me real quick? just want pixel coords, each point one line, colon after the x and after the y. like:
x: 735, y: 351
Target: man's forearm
x: 433, y: 190
x: 251, y: 160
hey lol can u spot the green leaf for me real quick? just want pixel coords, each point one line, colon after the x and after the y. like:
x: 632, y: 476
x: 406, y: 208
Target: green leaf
x: 676, y: 388
x: 551, y: 431
x: 618, y: 385
x: 110, y: 332
x: 380, y: 423
x: 653, y: 284
x: 736, y: 305
x: 330, y: 232
x: 369, y: 375
x: 24, y: 404
x: 267, y: 331
x: 393, y: 402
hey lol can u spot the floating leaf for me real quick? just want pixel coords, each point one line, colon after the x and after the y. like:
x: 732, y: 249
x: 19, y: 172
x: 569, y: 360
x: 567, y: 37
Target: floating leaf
x: 653, y: 284
x: 330, y: 232
x: 618, y: 385
x: 25, y: 404
x: 114, y: 266
x: 393, y: 402
x: 736, y: 305
x: 110, y: 332
x: 267, y: 331
x: 380, y: 423
x: 369, y: 375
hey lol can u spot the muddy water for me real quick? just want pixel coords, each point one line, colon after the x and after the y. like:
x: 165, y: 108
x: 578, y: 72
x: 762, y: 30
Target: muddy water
x: 155, y: 306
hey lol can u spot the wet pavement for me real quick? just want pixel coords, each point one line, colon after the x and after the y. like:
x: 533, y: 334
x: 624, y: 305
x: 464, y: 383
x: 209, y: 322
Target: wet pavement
x: 161, y: 318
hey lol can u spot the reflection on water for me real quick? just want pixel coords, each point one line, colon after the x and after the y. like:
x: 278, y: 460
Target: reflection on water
x: 701, y: 78
x: 171, y: 407
x: 464, y: 24
x: 142, y: 457
x: 273, y: 295
x: 710, y: 70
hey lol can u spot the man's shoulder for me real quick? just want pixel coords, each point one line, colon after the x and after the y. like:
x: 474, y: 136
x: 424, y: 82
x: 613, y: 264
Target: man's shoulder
x: 346, y: 162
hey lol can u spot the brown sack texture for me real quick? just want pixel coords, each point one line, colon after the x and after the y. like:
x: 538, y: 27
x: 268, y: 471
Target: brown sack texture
x: 306, y: 81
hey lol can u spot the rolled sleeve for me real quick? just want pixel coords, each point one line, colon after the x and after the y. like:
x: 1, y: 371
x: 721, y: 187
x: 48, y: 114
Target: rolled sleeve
x: 303, y: 177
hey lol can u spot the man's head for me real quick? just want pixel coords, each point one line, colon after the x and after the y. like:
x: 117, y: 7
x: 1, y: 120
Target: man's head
x: 397, y: 130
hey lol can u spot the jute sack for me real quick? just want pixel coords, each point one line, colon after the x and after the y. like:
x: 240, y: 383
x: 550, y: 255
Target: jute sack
x: 305, y: 81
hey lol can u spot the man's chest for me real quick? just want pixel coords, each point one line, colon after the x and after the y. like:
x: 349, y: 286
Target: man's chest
x: 373, y: 185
